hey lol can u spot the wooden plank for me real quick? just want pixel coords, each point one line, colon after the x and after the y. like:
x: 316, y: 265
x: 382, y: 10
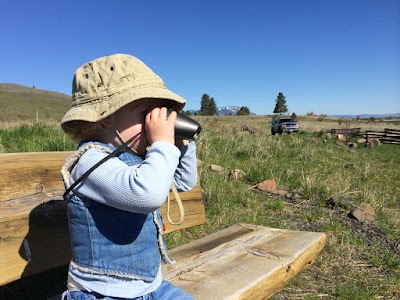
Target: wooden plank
x: 392, y: 130
x: 242, y: 262
x: 24, y: 174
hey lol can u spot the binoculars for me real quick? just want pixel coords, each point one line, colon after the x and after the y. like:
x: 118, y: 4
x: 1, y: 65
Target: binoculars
x: 185, y: 128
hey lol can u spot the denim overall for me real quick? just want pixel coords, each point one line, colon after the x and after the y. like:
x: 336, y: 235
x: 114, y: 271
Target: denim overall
x: 112, y: 242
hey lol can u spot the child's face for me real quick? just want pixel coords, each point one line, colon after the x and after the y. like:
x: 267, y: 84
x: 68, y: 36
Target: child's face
x: 130, y: 120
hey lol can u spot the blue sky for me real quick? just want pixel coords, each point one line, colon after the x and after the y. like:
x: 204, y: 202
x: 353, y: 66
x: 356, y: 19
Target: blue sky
x: 327, y: 57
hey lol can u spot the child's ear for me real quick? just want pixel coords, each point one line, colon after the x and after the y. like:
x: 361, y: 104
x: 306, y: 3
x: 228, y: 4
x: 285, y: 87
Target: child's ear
x: 106, y: 123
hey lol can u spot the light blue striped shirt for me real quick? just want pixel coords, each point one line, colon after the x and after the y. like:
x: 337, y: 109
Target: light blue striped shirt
x: 139, y: 190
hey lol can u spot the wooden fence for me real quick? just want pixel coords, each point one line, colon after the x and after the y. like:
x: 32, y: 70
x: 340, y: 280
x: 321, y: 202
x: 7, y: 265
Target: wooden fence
x: 387, y: 136
x: 347, y: 131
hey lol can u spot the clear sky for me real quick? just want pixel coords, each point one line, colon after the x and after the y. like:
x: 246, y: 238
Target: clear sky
x: 325, y: 56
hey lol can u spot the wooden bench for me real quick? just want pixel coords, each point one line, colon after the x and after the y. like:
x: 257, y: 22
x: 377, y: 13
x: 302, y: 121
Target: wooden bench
x: 240, y: 262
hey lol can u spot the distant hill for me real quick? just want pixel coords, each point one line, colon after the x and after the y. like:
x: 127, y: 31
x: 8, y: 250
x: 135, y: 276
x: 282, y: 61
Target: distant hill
x: 367, y: 116
x: 21, y: 103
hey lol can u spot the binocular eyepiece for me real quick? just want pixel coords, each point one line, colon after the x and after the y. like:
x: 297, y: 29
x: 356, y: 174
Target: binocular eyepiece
x: 185, y: 128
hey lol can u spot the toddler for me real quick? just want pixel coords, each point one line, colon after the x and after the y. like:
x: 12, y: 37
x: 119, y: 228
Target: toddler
x: 124, y: 166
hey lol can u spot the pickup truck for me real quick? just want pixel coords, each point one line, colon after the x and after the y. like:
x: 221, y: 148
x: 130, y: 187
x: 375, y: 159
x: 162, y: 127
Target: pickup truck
x: 284, y: 125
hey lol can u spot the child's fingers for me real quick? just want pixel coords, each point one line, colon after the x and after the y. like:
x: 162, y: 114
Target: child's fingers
x: 172, y: 117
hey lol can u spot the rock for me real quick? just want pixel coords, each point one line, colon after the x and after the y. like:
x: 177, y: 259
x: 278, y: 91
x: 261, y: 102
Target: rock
x: 364, y: 213
x: 341, y: 137
x: 199, y: 162
x: 268, y: 186
x: 361, y: 141
x: 237, y: 174
x: 373, y: 143
x: 216, y: 168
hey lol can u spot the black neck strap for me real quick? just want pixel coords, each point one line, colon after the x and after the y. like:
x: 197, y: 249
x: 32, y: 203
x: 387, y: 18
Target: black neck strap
x: 84, y: 176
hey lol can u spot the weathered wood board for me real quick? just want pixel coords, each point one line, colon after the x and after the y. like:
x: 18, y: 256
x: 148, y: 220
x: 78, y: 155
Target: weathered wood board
x: 32, y: 210
x: 29, y: 173
x: 242, y: 262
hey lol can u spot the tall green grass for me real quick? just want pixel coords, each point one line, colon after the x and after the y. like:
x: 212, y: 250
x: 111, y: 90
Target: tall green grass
x: 37, y: 137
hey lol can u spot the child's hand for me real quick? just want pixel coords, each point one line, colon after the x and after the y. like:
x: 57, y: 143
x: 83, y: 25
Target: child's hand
x: 159, y: 127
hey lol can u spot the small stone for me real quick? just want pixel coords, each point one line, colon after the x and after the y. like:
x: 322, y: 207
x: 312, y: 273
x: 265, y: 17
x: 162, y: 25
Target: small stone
x: 217, y: 168
x: 364, y: 213
x: 268, y: 186
x: 361, y: 141
x: 237, y: 174
x: 373, y: 143
x: 341, y: 137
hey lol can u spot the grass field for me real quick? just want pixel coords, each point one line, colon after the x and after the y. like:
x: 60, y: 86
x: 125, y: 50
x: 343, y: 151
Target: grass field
x: 359, y: 261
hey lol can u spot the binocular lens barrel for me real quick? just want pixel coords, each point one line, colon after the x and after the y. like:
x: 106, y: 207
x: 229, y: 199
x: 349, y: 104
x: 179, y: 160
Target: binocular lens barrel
x: 185, y: 128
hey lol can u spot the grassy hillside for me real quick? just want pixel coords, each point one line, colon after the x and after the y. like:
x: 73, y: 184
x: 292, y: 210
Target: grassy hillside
x: 23, y: 104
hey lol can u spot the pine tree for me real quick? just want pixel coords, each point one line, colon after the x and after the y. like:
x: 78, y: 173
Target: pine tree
x: 243, y: 111
x: 280, y: 106
x: 208, y: 106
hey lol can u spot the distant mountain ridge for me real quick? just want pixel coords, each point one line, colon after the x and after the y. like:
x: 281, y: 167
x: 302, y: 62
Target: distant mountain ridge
x: 367, y: 116
x: 223, y: 111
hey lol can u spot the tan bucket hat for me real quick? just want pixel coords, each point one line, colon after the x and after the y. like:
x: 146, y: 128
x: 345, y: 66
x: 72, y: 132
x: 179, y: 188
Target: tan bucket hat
x: 104, y: 85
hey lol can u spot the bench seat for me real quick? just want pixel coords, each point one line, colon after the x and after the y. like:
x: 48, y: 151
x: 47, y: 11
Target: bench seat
x: 242, y: 261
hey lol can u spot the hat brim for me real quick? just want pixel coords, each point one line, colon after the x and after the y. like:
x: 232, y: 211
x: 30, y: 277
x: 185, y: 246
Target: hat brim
x: 99, y: 109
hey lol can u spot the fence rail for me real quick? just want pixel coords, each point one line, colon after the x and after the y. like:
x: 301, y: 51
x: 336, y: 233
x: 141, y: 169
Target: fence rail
x: 387, y: 136
x: 347, y: 131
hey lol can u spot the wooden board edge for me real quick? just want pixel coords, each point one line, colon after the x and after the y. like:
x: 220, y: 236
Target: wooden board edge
x: 271, y: 284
